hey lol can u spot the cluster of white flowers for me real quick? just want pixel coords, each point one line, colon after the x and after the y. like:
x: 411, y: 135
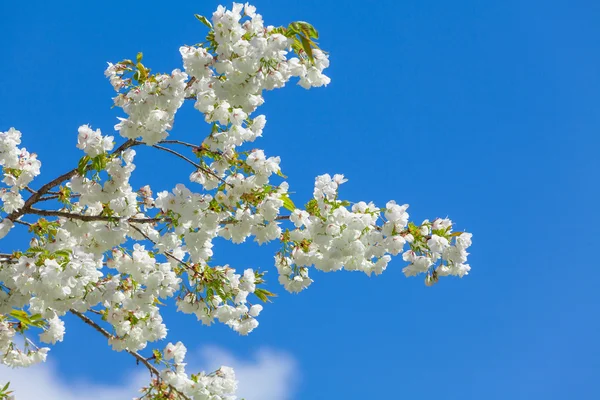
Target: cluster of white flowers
x: 248, y: 59
x: 151, y: 106
x: 332, y: 237
x: 11, y: 355
x: 19, y: 168
x: 213, y: 287
x: 92, y: 142
x: 86, y: 257
x: 115, y: 195
x: 251, y: 58
x: 132, y: 310
x: 219, y: 385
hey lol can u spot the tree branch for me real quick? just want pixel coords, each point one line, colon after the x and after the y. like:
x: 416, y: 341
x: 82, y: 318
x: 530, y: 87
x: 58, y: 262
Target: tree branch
x: 140, y: 359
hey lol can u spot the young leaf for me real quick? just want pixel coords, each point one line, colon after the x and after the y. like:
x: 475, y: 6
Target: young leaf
x: 82, y: 165
x: 264, y: 295
x: 203, y: 19
x: 306, y: 28
x: 288, y: 204
x: 307, y: 48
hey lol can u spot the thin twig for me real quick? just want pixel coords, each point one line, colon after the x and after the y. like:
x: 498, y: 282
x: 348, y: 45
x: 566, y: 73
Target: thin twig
x: 166, y: 253
x: 153, y: 370
x: 234, y: 221
x: 198, y: 166
x: 22, y: 222
x: 193, y: 146
x: 56, y: 196
x: 190, y: 82
x: 177, y: 154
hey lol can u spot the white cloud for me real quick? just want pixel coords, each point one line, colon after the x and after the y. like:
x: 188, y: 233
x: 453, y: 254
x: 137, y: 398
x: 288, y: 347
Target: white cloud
x: 268, y: 375
x: 42, y: 382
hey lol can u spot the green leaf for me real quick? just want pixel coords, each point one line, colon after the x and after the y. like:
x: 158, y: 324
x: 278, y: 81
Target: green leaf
x: 20, y: 315
x: 203, y: 19
x: 63, y: 253
x: 99, y: 162
x: 307, y: 48
x: 82, y: 165
x: 139, y: 57
x: 288, y: 204
x: 264, y: 295
x: 287, y: 32
x: 37, y: 249
x: 306, y: 28
x: 35, y: 317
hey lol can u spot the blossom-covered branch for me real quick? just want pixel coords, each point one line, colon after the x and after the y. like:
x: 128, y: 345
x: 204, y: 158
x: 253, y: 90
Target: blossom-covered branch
x: 100, y: 246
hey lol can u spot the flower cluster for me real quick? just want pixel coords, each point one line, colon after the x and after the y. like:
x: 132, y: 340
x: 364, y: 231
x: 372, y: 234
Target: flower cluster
x: 92, y: 142
x: 151, y: 105
x: 219, y: 293
x: 19, y: 168
x: 219, y: 385
x: 331, y: 237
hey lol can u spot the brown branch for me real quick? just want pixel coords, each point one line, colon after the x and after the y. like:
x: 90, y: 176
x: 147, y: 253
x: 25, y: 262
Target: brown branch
x: 140, y: 359
x: 190, y: 82
x: 5, y: 257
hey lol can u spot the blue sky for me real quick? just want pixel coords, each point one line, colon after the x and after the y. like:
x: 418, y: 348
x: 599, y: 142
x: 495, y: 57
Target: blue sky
x: 486, y: 112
